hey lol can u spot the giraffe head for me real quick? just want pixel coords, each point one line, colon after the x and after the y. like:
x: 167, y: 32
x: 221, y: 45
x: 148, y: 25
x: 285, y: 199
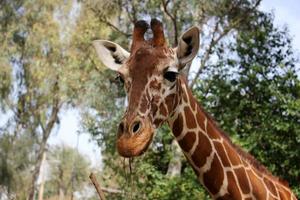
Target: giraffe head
x: 150, y: 77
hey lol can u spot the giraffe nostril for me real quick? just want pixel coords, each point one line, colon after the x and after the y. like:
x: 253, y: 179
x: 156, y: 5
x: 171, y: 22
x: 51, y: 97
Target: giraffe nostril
x: 136, y: 127
x: 121, y: 129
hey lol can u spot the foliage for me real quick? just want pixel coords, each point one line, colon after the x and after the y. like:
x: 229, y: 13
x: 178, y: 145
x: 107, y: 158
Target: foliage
x: 40, y: 74
x: 14, y: 171
x: 69, y: 171
x: 145, y: 177
x: 247, y: 69
x: 255, y: 96
x: 246, y: 78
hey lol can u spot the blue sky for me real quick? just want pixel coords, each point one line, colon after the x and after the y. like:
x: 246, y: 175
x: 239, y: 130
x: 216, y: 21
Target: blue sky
x: 68, y: 135
x: 286, y: 13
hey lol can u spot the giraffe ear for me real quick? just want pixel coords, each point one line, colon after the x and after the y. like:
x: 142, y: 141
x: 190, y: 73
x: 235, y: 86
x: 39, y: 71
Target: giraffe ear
x: 188, y: 46
x: 111, y: 54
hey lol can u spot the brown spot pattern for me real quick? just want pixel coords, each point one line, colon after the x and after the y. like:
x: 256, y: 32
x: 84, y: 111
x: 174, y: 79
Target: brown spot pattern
x: 202, y: 150
x: 193, y: 103
x: 258, y: 187
x: 158, y: 122
x: 154, y: 84
x: 177, y: 125
x: 176, y: 101
x: 284, y: 194
x: 187, y: 142
x: 190, y: 118
x: 163, y: 109
x: 233, y: 187
x: 270, y: 186
x: 154, y: 109
x: 143, y: 104
x: 242, y: 180
x: 184, y: 95
x: 212, y: 131
x: 200, y: 119
x: 225, y: 197
x: 232, y: 154
x: 245, y: 163
x: 169, y: 102
x: 220, y: 149
x: 213, y: 178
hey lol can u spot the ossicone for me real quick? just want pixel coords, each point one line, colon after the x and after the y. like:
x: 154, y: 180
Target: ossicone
x: 158, y: 33
x: 140, y: 28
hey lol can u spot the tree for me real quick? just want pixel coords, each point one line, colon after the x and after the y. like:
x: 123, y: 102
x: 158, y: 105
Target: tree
x: 41, y: 74
x: 15, y: 157
x: 69, y: 171
x: 255, y: 96
x: 229, y: 28
x: 216, y: 19
x: 47, y: 64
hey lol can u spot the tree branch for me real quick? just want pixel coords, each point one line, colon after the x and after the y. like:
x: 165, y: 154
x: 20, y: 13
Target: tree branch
x: 114, y: 27
x: 54, y: 113
x: 112, y: 190
x: 132, y: 17
x: 41, y: 123
x: 173, y: 19
x: 208, y: 51
x: 97, y: 186
x: 101, y: 19
x: 45, y: 135
x: 215, y: 41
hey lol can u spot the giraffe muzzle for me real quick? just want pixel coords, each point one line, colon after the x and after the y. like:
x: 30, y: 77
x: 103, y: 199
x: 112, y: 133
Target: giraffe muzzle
x: 134, y: 138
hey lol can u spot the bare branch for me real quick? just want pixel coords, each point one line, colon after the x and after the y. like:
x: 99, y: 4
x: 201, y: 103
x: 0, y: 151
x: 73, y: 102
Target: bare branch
x: 206, y: 56
x: 41, y: 123
x: 256, y: 4
x: 46, y: 131
x: 215, y: 41
x: 131, y: 13
x: 105, y: 21
x: 112, y: 190
x: 173, y: 19
x: 134, y: 18
x: 114, y: 27
x: 97, y: 186
x: 54, y: 113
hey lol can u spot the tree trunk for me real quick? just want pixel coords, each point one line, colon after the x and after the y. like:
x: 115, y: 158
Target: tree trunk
x: 46, y: 133
x: 61, y: 194
x: 41, y: 189
x: 174, y: 168
x: 36, y: 172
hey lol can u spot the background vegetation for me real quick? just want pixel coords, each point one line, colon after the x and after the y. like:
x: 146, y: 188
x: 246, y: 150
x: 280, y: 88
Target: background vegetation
x: 246, y: 75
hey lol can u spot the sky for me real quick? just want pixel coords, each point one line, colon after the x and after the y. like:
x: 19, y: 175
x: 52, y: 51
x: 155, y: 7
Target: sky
x: 287, y: 13
x: 68, y: 134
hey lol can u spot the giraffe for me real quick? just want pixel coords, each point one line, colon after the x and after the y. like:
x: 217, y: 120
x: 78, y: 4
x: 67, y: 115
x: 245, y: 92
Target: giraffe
x: 158, y: 93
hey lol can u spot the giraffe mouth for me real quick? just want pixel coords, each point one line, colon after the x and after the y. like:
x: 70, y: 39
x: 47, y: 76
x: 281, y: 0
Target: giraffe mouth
x: 132, y: 145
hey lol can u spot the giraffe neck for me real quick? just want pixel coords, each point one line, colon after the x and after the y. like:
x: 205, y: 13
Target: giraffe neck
x: 226, y: 171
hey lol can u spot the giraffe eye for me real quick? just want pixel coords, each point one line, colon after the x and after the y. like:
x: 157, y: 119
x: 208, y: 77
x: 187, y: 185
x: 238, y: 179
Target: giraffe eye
x: 170, y: 75
x: 119, y: 79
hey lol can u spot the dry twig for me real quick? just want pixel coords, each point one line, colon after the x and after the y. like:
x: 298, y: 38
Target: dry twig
x: 97, y: 186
